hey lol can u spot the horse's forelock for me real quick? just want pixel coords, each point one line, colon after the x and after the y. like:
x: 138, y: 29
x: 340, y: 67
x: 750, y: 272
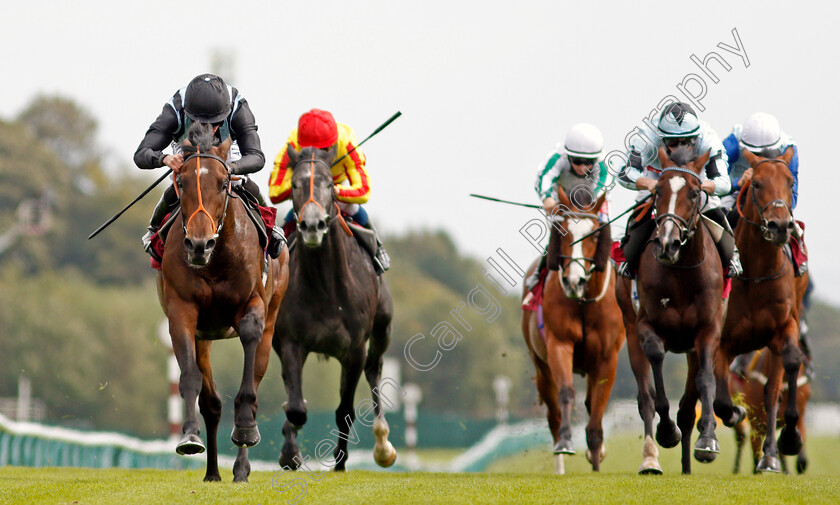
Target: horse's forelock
x: 202, y: 136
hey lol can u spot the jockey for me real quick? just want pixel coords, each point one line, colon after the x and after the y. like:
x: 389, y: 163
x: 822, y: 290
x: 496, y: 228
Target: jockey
x: 206, y: 99
x: 761, y: 135
x: 682, y: 134
x: 567, y: 166
x: 317, y: 128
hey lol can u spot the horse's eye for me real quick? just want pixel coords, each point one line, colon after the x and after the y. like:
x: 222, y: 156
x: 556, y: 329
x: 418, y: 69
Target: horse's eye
x: 693, y: 194
x: 756, y: 185
x: 295, y: 185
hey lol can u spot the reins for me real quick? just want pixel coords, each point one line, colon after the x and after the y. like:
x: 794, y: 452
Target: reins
x: 311, y: 199
x: 778, y: 202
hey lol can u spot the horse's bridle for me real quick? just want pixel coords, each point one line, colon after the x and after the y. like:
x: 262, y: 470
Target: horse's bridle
x: 198, y: 155
x: 778, y: 202
x: 686, y: 227
x: 296, y: 214
x: 587, y: 273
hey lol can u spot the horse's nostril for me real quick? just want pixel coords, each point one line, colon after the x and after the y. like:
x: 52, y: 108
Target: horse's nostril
x: 188, y: 244
x: 302, y: 225
x: 322, y: 224
x: 210, y: 244
x: 789, y: 226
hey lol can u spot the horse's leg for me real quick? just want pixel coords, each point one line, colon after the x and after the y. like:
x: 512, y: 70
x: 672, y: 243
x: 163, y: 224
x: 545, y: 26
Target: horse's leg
x: 548, y: 392
x: 351, y: 370
x: 667, y: 433
x: 802, y: 457
x: 182, y: 325
x: 729, y: 413
x: 740, y: 438
x: 770, y: 461
x: 707, y: 447
x: 242, y: 467
x: 641, y: 370
x: 790, y: 439
x: 598, y: 388
x: 250, y: 328
x: 383, y: 451
x: 560, y: 362
x: 757, y: 433
x: 292, y: 357
x: 210, y: 404
x: 687, y: 411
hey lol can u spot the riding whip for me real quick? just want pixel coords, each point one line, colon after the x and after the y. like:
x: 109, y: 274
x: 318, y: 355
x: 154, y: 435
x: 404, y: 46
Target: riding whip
x: 139, y: 197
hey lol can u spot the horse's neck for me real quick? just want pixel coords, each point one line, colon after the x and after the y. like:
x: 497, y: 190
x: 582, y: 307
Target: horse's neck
x: 596, y: 285
x: 328, y: 266
x: 694, y: 251
x: 756, y: 251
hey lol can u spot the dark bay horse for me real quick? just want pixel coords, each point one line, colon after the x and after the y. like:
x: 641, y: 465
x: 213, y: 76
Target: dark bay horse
x: 765, y: 303
x: 336, y: 305
x: 751, y: 392
x: 583, y: 329
x: 211, y: 287
x: 680, y: 287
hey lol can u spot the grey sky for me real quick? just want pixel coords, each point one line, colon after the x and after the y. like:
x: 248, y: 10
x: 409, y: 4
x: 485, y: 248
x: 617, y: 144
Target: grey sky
x: 486, y: 88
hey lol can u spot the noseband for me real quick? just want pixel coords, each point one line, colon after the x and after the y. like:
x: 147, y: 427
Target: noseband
x: 201, y: 209
x: 587, y: 272
x: 688, y: 227
x: 312, y: 161
x: 778, y: 202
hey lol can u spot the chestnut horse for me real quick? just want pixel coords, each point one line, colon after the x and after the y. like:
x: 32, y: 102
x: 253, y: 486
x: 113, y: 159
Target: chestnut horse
x: 583, y: 328
x: 336, y: 305
x: 751, y: 391
x: 765, y: 303
x: 211, y: 287
x: 680, y: 285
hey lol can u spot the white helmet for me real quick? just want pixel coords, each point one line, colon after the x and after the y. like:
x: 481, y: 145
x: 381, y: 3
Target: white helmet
x: 678, y: 120
x: 761, y: 131
x: 584, y: 140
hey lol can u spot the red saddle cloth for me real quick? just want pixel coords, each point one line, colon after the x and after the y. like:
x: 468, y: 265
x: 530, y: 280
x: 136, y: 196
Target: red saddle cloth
x: 537, y: 292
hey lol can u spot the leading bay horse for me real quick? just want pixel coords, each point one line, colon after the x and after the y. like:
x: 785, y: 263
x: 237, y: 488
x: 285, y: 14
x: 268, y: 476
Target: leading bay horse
x: 336, y: 305
x: 680, y: 309
x: 751, y: 392
x: 583, y: 328
x: 211, y: 287
x: 765, y: 303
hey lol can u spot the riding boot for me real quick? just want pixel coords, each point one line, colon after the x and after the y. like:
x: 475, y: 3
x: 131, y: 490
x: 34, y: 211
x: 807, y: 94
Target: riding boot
x: 381, y: 261
x: 167, y: 200
x: 633, y: 245
x: 725, y: 244
x: 532, y: 280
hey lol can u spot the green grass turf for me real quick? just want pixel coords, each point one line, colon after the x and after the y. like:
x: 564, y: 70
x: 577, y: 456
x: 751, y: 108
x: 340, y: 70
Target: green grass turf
x: 617, y: 483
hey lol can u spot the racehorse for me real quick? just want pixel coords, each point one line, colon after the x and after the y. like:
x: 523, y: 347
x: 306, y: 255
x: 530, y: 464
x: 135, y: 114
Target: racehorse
x: 583, y: 328
x: 336, y: 305
x: 211, y: 287
x: 680, y: 309
x: 751, y: 390
x: 765, y: 302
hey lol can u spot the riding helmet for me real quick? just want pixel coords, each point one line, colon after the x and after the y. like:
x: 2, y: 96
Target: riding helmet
x: 761, y: 131
x: 317, y: 128
x: 207, y: 99
x: 584, y: 140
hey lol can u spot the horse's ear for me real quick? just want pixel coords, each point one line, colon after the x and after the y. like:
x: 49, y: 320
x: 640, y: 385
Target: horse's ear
x: 698, y: 164
x: 788, y: 155
x: 563, y: 198
x: 292, y: 153
x: 331, y: 153
x: 664, y: 160
x: 751, y: 157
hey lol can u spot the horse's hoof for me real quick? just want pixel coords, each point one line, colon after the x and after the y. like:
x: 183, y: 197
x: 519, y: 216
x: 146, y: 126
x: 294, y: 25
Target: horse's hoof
x: 190, y: 444
x: 706, y: 449
x: 769, y: 464
x: 564, y: 446
x: 290, y: 458
x: 789, y: 442
x: 650, y: 466
x: 212, y: 478
x: 245, y: 437
x: 603, y: 454
x: 739, y: 413
x: 801, y: 465
x: 668, y: 435
x: 385, y: 457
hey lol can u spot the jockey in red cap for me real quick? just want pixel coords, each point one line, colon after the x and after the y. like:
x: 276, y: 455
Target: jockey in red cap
x: 317, y: 128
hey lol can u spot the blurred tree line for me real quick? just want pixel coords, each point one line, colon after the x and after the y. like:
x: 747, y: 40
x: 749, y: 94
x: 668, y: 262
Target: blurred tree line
x: 79, y: 317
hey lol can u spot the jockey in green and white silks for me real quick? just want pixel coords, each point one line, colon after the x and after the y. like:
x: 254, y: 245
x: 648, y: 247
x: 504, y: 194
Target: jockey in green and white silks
x: 684, y: 136
x: 568, y: 166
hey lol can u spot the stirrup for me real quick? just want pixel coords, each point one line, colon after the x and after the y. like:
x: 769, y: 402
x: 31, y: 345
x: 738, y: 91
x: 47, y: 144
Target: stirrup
x: 624, y: 270
x: 735, y: 269
x: 382, y: 261
x: 147, y: 239
x: 532, y: 280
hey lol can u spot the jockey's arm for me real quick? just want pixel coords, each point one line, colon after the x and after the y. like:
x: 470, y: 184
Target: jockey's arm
x: 546, y: 183
x: 244, y: 130
x: 149, y: 153
x: 354, y: 168
x: 718, y: 173
x: 280, y: 181
x: 632, y: 171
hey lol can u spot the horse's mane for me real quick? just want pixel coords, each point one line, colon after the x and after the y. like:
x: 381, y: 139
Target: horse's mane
x: 682, y: 156
x: 201, y: 136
